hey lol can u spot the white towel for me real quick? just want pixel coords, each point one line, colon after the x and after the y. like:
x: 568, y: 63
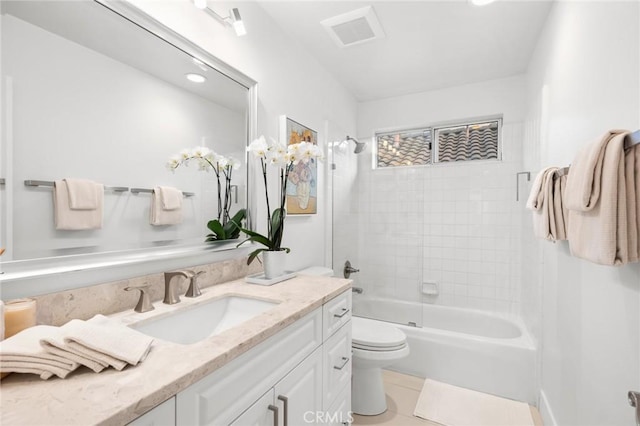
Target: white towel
x: 54, y: 344
x: 106, y: 339
x: 171, y: 197
x: 600, y: 233
x: 534, y: 202
x: 161, y: 216
x: 67, y: 218
x: 83, y: 194
x: 23, y: 351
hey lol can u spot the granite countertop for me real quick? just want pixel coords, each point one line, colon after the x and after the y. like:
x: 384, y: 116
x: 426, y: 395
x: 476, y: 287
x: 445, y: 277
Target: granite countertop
x: 118, y: 397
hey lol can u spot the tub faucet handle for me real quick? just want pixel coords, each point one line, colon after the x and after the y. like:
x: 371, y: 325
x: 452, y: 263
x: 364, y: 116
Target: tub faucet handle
x: 144, y: 302
x: 194, y: 289
x: 348, y: 270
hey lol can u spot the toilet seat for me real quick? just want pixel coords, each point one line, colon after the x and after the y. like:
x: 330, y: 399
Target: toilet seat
x: 373, y: 336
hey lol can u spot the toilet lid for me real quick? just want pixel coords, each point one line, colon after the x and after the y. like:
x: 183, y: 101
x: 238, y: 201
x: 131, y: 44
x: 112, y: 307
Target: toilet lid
x: 368, y: 334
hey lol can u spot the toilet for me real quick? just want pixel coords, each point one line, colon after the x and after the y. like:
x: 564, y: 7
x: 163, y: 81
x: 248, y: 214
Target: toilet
x: 374, y: 345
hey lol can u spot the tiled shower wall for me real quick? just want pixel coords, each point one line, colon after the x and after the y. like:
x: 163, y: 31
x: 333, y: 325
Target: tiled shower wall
x: 458, y: 225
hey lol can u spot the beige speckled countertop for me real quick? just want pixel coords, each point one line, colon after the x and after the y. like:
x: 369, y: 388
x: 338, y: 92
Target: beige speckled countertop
x: 118, y: 397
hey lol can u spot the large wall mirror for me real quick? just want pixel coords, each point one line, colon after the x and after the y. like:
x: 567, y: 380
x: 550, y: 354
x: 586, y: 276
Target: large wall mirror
x: 101, y: 92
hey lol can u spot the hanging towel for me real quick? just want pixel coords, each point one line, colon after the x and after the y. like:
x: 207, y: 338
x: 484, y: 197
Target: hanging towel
x: 68, y: 218
x: 104, y: 339
x: 23, y: 352
x: 83, y: 194
x: 632, y: 182
x: 534, y: 202
x: 598, y: 226
x: 561, y: 214
x: 545, y: 201
x: 585, y: 180
x: 171, y: 197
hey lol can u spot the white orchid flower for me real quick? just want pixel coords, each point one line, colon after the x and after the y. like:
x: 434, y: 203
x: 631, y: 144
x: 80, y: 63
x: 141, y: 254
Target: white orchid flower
x: 259, y: 147
x: 222, y: 162
x: 173, y: 162
x: 200, y: 152
x: 185, y: 154
x: 233, y: 163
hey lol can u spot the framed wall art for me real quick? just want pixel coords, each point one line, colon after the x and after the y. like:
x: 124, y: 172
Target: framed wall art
x: 302, y: 186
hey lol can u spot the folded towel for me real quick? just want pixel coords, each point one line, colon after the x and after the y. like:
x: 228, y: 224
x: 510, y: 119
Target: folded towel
x: 598, y: 225
x: 83, y: 194
x: 67, y: 218
x: 171, y: 197
x: 102, y: 338
x: 585, y: 180
x: 160, y: 216
x: 560, y: 212
x: 54, y: 344
x: 23, y: 351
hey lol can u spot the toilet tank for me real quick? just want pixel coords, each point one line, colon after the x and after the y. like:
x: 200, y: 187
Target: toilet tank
x: 319, y: 271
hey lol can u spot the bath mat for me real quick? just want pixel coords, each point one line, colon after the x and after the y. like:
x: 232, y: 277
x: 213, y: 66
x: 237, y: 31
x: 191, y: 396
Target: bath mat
x: 453, y: 406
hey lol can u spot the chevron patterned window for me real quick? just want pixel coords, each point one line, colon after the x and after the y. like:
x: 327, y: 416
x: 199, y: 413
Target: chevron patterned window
x: 467, y: 142
x: 405, y: 148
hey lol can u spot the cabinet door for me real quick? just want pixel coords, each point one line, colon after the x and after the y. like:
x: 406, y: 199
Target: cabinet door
x: 299, y: 394
x: 163, y: 415
x: 261, y: 413
x: 337, y: 367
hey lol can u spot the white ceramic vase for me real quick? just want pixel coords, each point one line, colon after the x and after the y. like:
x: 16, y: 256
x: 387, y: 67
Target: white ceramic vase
x: 274, y: 263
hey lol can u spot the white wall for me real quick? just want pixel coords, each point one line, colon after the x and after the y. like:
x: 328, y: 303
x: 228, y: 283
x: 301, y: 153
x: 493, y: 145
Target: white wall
x: 290, y: 82
x: 454, y: 224
x: 583, y: 80
x: 85, y: 115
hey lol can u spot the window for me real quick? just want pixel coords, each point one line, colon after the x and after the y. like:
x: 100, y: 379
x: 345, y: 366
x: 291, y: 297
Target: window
x: 440, y: 144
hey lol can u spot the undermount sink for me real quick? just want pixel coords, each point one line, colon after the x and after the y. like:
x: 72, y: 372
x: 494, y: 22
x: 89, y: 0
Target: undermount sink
x: 193, y: 324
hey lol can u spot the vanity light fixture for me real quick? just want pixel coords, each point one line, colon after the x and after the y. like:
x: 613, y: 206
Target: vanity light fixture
x: 196, y: 78
x: 233, y: 20
x: 481, y: 2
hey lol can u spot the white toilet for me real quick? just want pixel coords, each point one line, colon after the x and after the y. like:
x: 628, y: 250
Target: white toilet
x: 374, y: 345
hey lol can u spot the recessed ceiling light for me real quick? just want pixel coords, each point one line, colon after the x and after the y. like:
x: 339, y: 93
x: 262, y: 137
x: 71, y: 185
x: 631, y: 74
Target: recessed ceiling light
x: 196, y: 78
x: 481, y: 2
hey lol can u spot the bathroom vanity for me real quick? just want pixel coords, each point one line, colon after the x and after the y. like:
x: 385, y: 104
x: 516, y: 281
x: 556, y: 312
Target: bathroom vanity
x: 290, y: 364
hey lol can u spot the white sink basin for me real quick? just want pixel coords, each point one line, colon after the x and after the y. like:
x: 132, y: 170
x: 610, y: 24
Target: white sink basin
x: 190, y: 325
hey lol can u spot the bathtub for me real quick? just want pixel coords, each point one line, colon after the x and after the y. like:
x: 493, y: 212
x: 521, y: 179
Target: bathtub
x: 463, y: 347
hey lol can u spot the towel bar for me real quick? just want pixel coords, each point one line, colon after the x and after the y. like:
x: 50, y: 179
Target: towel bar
x: 563, y: 171
x: 632, y: 139
x: 2, y: 181
x: 528, y: 174
x: 150, y: 191
x: 49, y: 183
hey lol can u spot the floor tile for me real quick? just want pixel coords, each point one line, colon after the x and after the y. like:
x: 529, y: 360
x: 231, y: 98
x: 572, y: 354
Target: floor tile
x: 400, y: 399
x: 391, y: 418
x: 405, y: 380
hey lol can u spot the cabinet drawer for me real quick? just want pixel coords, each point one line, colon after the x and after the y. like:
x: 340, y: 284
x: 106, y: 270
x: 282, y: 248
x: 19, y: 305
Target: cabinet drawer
x: 337, y: 364
x: 224, y: 394
x: 336, y: 313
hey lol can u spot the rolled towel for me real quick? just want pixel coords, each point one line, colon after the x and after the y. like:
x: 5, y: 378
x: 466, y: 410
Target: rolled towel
x: 108, y: 340
x: 584, y: 181
x: 158, y: 215
x: 23, y: 351
x: 67, y: 218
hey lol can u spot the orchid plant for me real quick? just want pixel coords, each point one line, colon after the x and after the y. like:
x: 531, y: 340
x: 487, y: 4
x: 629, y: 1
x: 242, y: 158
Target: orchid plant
x: 284, y: 158
x: 224, y: 227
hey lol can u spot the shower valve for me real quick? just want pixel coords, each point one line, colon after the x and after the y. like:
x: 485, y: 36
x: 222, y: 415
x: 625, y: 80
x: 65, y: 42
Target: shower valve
x: 348, y: 270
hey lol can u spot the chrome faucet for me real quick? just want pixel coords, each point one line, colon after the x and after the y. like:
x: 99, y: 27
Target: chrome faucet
x: 170, y: 294
x: 194, y: 289
x: 144, y: 302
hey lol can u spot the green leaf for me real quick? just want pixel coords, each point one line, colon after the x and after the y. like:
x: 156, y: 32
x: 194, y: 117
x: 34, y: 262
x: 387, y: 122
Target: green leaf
x: 276, y: 232
x: 216, y: 228
x: 258, y: 238
x: 254, y: 254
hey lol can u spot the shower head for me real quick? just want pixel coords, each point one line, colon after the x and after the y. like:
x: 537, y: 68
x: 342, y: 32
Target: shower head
x: 360, y: 146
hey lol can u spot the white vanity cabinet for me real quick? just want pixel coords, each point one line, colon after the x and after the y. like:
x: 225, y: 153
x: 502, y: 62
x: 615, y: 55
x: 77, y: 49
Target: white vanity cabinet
x: 291, y: 378
x: 162, y: 415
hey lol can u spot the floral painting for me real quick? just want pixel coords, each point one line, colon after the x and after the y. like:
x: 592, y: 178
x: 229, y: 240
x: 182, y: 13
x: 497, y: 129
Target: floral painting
x: 302, y: 187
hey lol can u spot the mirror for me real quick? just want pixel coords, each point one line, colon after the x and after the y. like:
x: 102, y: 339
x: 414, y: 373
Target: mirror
x: 100, y: 92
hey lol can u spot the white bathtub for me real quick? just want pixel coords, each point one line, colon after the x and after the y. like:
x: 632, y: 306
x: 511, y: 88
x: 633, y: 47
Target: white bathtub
x: 463, y: 347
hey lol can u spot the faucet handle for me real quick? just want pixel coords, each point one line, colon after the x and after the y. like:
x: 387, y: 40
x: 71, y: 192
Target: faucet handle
x: 194, y: 289
x: 144, y: 303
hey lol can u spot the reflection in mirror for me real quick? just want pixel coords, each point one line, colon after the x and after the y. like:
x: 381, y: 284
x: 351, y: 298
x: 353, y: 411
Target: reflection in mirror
x: 89, y: 94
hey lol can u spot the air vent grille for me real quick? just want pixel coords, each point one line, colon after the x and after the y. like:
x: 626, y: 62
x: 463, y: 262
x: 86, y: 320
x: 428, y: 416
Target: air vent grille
x: 354, y: 27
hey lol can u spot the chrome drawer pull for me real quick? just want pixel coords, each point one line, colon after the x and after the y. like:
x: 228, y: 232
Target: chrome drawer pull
x: 275, y: 414
x: 345, y: 311
x: 344, y: 363
x: 285, y: 415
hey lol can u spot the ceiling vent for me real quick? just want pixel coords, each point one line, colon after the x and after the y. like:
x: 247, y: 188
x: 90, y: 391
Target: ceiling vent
x: 355, y: 27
